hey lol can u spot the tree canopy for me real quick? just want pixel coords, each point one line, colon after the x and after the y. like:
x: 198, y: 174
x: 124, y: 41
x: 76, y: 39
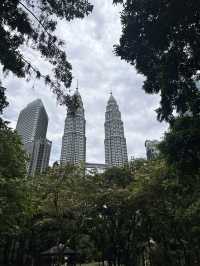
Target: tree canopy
x: 3, y: 104
x: 33, y: 23
x: 181, y: 147
x: 162, y: 39
x: 152, y: 217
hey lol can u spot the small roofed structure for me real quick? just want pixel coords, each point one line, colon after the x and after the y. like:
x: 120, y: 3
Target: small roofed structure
x: 59, y: 255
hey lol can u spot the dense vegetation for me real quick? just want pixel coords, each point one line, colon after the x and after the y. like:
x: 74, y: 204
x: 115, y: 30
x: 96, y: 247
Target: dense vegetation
x: 145, y: 213
x: 161, y: 38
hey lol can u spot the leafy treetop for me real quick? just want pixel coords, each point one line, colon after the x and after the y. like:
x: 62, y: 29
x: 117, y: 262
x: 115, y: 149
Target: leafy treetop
x: 162, y: 39
x: 33, y: 23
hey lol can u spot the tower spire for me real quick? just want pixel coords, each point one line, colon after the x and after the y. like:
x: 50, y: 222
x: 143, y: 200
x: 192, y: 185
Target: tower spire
x: 77, y: 84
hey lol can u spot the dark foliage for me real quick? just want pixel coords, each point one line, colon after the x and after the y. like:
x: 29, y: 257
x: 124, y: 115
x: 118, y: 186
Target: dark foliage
x: 12, y: 156
x: 181, y: 145
x: 162, y: 39
x: 120, y: 177
x: 3, y: 102
x: 32, y: 23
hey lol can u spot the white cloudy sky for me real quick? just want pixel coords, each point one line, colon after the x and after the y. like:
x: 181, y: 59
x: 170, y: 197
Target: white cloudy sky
x: 89, y: 46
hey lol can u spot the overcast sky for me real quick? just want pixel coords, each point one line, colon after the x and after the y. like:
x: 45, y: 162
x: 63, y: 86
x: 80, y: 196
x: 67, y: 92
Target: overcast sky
x: 89, y: 46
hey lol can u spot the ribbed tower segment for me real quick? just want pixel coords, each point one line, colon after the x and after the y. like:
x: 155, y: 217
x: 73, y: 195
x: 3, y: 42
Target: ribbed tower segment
x: 74, y: 141
x: 32, y: 122
x: 115, y: 142
x: 32, y: 128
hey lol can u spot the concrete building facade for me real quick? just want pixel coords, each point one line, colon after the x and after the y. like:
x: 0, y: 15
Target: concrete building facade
x: 73, y: 149
x: 152, y: 151
x: 95, y: 167
x: 115, y: 142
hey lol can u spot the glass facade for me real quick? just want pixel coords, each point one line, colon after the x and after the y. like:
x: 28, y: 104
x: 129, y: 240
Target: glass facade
x: 32, y: 128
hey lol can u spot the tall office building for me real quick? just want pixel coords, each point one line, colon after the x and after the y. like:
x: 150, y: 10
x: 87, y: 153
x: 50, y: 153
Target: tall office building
x: 152, y: 150
x: 32, y: 128
x: 74, y: 141
x: 115, y: 142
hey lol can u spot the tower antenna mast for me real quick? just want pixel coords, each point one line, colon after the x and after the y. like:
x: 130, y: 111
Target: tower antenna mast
x: 77, y: 84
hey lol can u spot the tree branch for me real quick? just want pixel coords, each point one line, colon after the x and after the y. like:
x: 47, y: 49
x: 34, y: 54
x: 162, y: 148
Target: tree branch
x: 60, y: 94
x: 27, y: 9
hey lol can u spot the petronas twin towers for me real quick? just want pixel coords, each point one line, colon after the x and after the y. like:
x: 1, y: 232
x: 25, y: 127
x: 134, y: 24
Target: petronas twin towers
x: 74, y: 140
x: 115, y: 142
x: 32, y: 128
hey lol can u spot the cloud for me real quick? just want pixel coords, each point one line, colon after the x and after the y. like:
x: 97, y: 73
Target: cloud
x: 89, y: 47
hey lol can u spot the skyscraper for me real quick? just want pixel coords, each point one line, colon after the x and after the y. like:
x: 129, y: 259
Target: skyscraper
x: 74, y: 141
x: 152, y: 150
x: 32, y: 128
x: 115, y: 142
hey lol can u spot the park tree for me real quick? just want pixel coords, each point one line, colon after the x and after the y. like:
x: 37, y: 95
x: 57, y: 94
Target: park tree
x: 161, y: 39
x: 112, y: 218
x: 49, y: 215
x: 32, y: 24
x: 168, y: 214
x: 181, y: 146
x: 12, y: 156
x: 116, y: 176
x: 3, y: 104
x: 14, y: 203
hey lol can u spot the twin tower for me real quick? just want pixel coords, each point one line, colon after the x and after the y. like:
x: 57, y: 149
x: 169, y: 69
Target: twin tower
x: 74, y: 140
x: 32, y: 127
